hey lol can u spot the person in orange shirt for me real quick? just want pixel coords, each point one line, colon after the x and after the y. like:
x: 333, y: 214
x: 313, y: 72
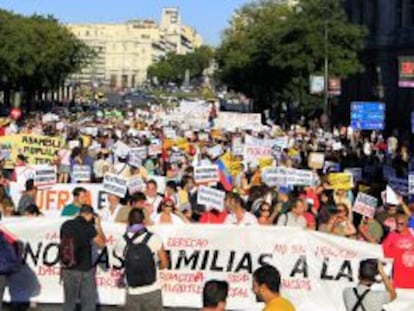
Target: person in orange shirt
x: 266, y: 286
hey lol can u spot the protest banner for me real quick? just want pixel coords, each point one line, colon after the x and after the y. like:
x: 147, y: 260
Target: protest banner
x: 81, y: 173
x: 411, y: 183
x: 280, y: 176
x: 39, y: 149
x: 255, y: 148
x: 356, y: 173
x: 315, y: 267
x: 54, y: 198
x: 399, y: 185
x: 211, y: 198
x: 233, y: 120
x: 340, y: 181
x: 115, y: 185
x: 135, y: 184
x: 206, y: 174
x: 316, y: 160
x: 365, y: 205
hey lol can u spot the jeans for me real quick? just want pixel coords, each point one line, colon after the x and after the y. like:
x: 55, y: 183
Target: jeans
x: 146, y: 302
x: 3, y: 283
x: 79, y: 285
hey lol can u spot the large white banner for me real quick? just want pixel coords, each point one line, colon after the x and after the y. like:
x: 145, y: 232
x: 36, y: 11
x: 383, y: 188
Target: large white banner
x: 315, y: 267
x: 232, y: 120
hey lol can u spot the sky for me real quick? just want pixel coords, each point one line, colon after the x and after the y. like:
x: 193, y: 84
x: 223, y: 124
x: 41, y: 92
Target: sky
x: 209, y: 17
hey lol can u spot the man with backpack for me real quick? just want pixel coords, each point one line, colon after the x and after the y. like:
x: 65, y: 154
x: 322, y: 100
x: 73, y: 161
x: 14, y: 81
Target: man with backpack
x: 362, y: 298
x: 141, y: 251
x: 77, y: 237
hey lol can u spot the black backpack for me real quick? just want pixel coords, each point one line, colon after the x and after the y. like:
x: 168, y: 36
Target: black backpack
x: 140, y: 267
x: 67, y: 252
x: 9, y: 257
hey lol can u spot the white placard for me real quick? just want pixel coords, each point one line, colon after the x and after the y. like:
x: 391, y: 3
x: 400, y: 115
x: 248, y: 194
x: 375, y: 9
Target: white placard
x: 81, y: 173
x: 282, y: 176
x: 237, y: 146
x: 215, y: 151
x: 135, y: 184
x: 115, y: 185
x: 356, y: 173
x: 206, y: 174
x: 42, y: 175
x: 211, y: 198
x: 365, y: 205
x: 316, y: 160
x: 411, y: 183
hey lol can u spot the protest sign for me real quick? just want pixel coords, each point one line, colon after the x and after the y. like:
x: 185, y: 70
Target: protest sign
x: 115, y: 185
x: 8, y: 149
x: 211, y: 198
x: 42, y: 175
x: 206, y: 174
x: 237, y: 145
x: 139, y: 152
x: 135, y: 184
x: 331, y: 167
x: 340, y: 181
x: 388, y: 172
x: 155, y: 148
x: 81, y: 173
x: 169, y: 132
x: 356, y: 173
x: 233, y: 120
x: 280, y: 176
x: 411, y: 183
x: 399, y: 185
x: 365, y: 205
x: 215, y: 152
x: 311, y: 264
x: 316, y: 160
x: 39, y: 149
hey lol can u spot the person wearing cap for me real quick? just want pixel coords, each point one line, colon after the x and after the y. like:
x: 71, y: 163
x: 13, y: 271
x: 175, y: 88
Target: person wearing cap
x: 28, y: 198
x: 82, y: 233
x: 363, y: 297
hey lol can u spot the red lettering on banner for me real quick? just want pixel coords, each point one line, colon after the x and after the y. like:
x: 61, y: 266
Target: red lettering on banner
x: 237, y: 292
x: 280, y: 248
x: 183, y: 288
x: 51, y: 271
x: 298, y: 249
x: 186, y: 243
x: 106, y: 281
x: 297, y: 284
x: 54, y: 236
x: 238, y: 278
x: 182, y: 277
x: 326, y: 251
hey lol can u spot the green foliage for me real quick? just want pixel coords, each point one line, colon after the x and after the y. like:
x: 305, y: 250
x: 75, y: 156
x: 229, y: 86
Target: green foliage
x: 37, y: 53
x: 270, y: 50
x: 172, y: 68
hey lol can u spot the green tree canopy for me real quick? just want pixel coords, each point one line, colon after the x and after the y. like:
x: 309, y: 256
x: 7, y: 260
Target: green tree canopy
x: 270, y: 50
x: 172, y: 68
x: 37, y: 53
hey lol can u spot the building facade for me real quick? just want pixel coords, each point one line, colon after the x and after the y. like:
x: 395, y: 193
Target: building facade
x: 124, y: 51
x: 390, y: 25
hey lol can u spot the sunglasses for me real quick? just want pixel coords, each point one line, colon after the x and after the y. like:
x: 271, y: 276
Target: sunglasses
x: 265, y: 210
x: 169, y: 205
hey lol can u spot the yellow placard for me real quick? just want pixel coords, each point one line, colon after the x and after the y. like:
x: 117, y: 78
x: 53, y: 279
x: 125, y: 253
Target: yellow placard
x: 39, y: 149
x: 8, y: 148
x: 340, y: 181
x: 265, y: 162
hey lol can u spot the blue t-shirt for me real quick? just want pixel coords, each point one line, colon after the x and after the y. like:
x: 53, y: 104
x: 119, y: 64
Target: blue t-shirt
x: 411, y: 222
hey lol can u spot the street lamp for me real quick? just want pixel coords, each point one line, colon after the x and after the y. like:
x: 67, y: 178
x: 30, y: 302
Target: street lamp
x: 326, y: 67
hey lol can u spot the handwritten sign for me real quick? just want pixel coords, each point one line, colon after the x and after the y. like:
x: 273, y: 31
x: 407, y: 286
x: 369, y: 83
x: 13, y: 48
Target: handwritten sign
x: 211, y: 198
x: 115, y: 185
x: 365, y: 205
x: 81, y: 173
x: 206, y: 174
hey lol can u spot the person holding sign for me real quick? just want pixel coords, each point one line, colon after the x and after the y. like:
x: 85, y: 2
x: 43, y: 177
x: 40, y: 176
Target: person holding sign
x: 339, y: 223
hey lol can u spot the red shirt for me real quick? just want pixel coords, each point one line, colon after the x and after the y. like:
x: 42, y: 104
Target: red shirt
x: 400, y: 247
x: 213, y: 217
x: 11, y: 239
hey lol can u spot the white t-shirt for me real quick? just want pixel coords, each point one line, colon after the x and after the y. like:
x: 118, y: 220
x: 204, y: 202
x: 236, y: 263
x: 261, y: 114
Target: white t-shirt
x: 174, y: 218
x: 155, y: 244
x: 106, y: 214
x: 155, y: 203
x: 248, y: 219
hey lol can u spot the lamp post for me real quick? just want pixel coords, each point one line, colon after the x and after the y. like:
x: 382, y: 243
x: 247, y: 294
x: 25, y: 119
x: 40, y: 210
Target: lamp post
x: 326, y: 69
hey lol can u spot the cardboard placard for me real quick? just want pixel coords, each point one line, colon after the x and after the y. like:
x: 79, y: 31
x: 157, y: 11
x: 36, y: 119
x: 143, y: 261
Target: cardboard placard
x: 316, y: 160
x: 356, y: 173
x: 365, y: 205
x: 115, y: 185
x: 340, y: 181
x: 211, y: 198
x: 206, y: 174
x: 42, y: 175
x: 81, y: 173
x: 283, y: 176
x: 135, y: 184
x: 411, y: 183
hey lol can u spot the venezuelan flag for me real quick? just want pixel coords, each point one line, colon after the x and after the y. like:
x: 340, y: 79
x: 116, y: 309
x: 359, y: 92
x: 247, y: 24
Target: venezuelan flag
x: 224, y: 165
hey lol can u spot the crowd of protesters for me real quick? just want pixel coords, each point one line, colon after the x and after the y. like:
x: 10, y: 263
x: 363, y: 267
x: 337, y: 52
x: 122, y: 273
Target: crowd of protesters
x: 98, y: 142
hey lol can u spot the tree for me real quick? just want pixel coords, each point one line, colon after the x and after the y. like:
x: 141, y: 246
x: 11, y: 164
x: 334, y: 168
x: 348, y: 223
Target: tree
x: 37, y: 53
x: 173, y: 66
x: 270, y: 50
